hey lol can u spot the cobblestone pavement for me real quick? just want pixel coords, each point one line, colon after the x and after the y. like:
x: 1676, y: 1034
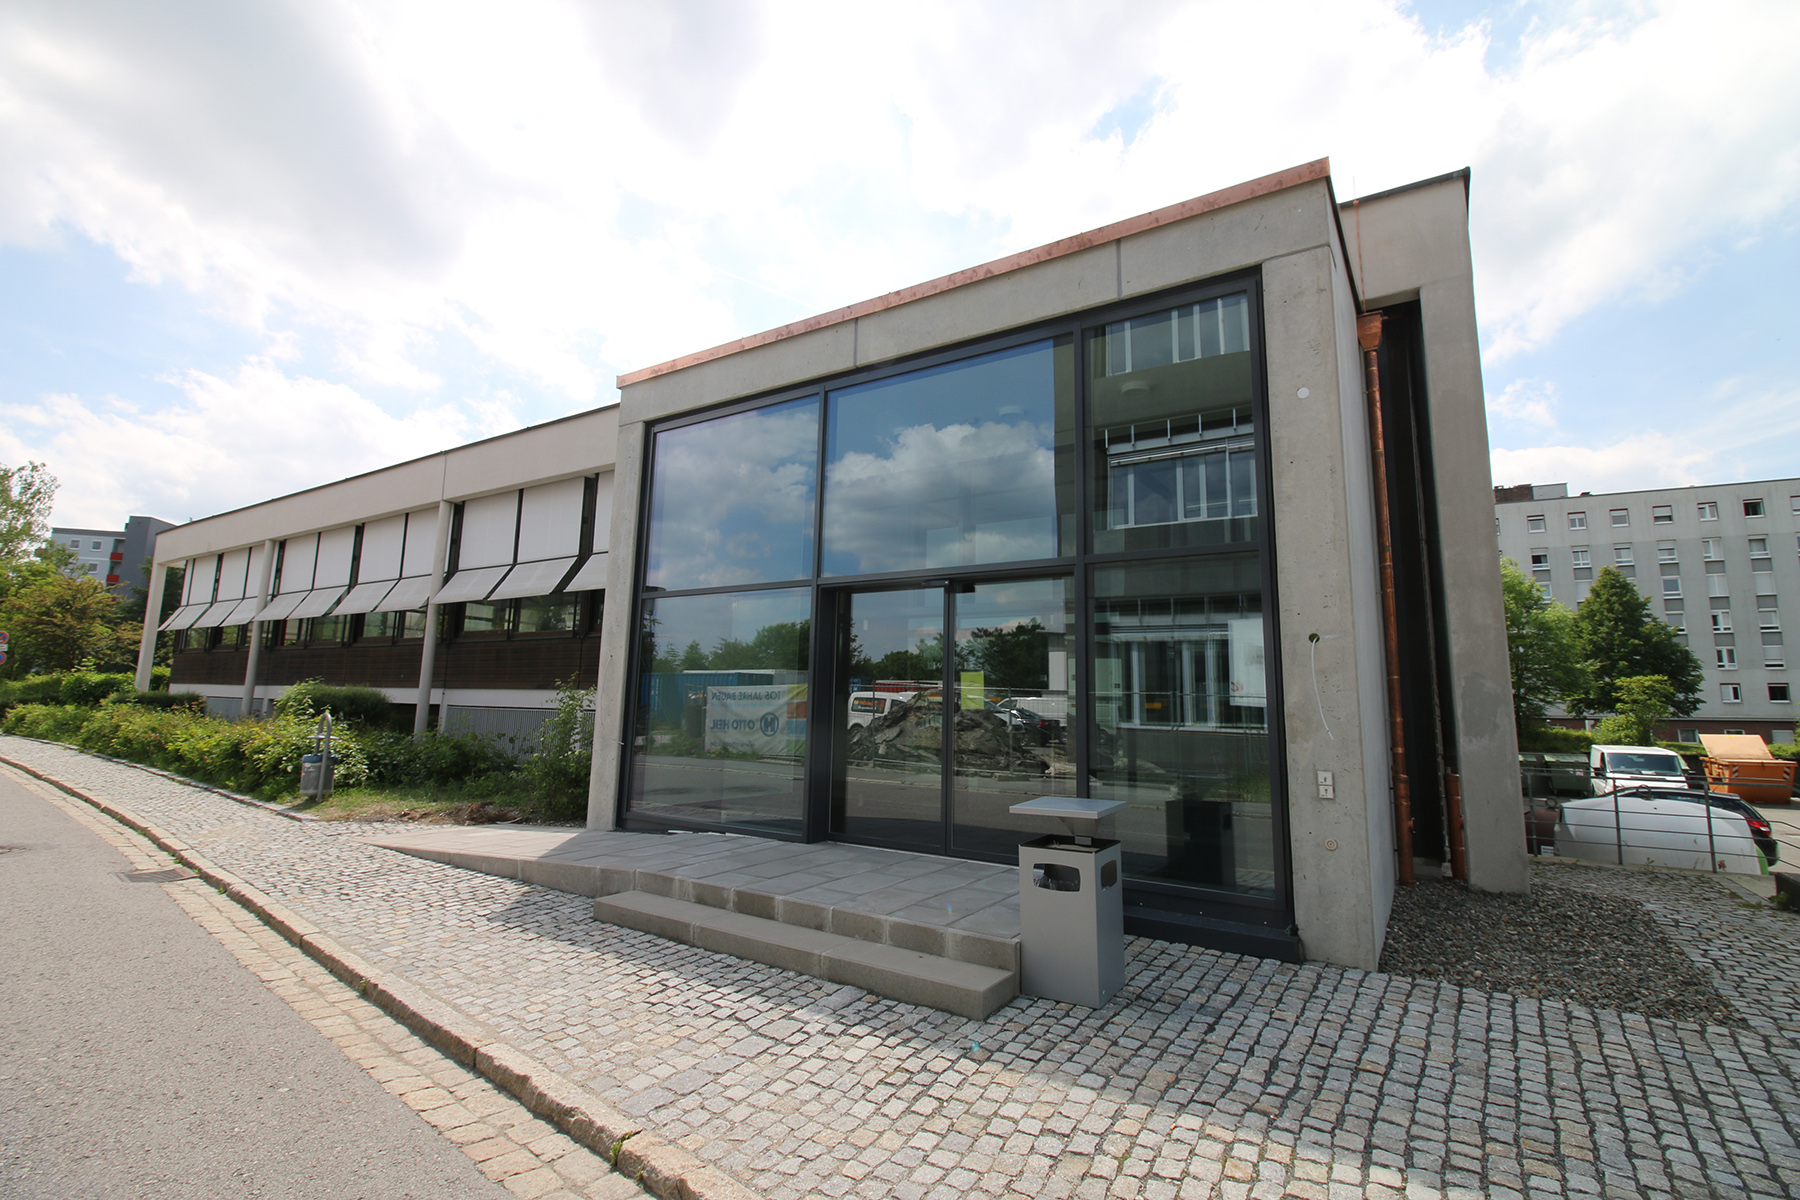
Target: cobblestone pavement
x: 509, y: 1145
x: 1211, y: 1074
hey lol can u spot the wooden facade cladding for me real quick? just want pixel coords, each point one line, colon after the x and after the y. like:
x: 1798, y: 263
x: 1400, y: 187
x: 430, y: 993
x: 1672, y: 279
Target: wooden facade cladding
x: 517, y: 662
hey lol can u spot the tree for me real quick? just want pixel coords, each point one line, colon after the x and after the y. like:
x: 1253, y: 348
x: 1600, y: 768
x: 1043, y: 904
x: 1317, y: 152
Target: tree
x: 1541, y: 642
x: 64, y: 623
x: 1620, y: 639
x: 26, y: 494
x: 1644, y: 703
x: 1016, y: 659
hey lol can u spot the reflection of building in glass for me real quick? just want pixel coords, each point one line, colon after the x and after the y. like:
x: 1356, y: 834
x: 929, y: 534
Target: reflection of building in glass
x: 1097, y: 520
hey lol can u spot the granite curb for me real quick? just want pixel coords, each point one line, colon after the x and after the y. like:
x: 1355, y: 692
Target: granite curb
x: 657, y: 1164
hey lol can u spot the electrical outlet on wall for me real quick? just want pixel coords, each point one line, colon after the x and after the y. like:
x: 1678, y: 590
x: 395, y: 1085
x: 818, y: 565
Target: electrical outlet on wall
x: 1327, y: 788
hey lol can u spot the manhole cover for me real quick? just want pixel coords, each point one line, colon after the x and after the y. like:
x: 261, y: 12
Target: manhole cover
x: 166, y: 876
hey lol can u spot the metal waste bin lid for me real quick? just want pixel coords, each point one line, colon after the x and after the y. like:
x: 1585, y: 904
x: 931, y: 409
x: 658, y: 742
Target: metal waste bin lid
x: 1067, y: 808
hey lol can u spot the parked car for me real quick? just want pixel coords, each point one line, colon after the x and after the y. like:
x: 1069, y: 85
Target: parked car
x: 1664, y: 827
x: 1615, y: 767
x: 867, y: 706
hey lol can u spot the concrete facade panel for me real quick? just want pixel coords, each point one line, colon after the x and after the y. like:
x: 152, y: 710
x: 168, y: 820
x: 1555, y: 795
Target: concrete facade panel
x: 1227, y: 240
x: 778, y: 364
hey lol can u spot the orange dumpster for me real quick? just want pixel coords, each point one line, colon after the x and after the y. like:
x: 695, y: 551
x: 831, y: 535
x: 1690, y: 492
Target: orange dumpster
x: 1742, y: 765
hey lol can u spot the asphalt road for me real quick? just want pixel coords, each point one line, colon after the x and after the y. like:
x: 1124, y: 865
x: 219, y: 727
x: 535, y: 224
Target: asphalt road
x: 138, y: 1059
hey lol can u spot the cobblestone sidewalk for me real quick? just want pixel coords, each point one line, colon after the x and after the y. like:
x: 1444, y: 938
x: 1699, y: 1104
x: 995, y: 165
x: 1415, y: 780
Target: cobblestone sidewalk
x: 1210, y: 1075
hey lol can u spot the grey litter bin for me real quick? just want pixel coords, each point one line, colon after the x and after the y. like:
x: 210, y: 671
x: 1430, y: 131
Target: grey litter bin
x: 314, y: 781
x: 1071, y: 905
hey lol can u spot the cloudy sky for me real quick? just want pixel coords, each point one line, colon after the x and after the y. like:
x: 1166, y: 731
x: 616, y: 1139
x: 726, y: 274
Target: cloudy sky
x: 250, y: 247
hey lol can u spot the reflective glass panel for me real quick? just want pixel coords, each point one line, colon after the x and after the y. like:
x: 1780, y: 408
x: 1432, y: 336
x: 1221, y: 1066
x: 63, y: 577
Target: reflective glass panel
x: 893, y: 698
x: 951, y: 465
x: 721, y: 713
x: 1012, y: 687
x: 1172, y: 429
x: 1179, y: 720
x: 547, y: 614
x: 731, y: 499
x: 484, y: 617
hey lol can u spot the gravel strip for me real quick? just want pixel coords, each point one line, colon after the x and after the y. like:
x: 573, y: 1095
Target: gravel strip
x: 1558, y: 943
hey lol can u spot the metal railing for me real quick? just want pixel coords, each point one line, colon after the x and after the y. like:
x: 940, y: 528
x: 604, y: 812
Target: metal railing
x: 1571, y: 814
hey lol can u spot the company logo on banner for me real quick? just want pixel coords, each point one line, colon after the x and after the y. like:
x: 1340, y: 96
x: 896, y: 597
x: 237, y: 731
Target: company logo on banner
x: 767, y: 720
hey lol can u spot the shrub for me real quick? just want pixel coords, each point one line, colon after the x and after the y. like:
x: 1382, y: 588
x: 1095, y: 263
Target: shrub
x: 365, y: 707
x: 558, y: 768
x: 52, y: 722
x: 396, y: 760
x: 190, y: 701
x: 85, y: 687
x: 1550, y: 740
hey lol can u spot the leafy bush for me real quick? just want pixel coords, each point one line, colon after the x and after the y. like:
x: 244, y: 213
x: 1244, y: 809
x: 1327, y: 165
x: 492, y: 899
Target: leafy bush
x: 1620, y: 730
x: 396, y: 760
x: 365, y: 707
x: 52, y: 722
x: 1550, y: 740
x: 559, y: 767
x: 87, y: 688
x: 190, y: 701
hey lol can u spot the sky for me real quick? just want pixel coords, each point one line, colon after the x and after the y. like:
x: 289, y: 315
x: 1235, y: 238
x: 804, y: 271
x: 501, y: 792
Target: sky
x: 249, y: 248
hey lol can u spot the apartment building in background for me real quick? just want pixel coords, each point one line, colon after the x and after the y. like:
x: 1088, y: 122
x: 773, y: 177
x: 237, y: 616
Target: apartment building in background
x: 119, y: 558
x: 1720, y: 563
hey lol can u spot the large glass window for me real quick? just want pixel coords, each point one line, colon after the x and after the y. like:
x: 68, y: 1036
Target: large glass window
x: 1179, y: 720
x: 731, y: 499
x: 1171, y: 424
x: 721, y: 713
x: 950, y: 466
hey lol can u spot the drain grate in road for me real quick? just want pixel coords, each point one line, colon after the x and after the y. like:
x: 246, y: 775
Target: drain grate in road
x: 170, y: 875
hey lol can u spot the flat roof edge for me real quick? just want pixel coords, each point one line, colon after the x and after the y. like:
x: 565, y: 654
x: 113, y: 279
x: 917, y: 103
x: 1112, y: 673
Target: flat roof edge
x: 1236, y: 194
x: 1413, y: 187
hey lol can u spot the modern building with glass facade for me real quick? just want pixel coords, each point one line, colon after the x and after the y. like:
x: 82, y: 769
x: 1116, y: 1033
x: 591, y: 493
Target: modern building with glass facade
x: 1104, y: 519
x: 1096, y: 520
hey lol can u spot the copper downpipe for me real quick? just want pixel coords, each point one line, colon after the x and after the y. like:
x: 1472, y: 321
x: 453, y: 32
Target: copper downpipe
x: 1459, y: 852
x: 1368, y: 335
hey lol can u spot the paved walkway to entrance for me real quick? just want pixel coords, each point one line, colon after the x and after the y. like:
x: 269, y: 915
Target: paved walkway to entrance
x: 1211, y: 1075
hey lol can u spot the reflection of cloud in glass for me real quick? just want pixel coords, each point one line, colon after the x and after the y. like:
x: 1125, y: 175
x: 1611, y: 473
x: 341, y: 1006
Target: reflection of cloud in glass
x: 947, y: 496
x: 732, y: 499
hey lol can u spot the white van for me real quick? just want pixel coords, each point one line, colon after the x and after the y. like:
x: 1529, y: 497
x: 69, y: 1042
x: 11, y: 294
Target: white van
x: 1615, y: 767
x: 866, y: 706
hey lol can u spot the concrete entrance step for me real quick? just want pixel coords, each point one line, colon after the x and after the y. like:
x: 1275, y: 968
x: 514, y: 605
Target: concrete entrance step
x: 967, y: 989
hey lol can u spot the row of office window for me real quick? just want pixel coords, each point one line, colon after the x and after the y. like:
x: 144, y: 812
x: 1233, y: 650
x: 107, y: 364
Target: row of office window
x: 1660, y: 514
x: 523, y: 617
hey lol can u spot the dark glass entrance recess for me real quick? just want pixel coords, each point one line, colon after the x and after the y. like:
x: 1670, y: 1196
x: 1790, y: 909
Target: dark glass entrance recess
x: 931, y: 749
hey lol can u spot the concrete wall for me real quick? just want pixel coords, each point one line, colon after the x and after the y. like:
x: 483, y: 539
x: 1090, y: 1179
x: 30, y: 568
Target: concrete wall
x: 1323, y: 542
x: 579, y: 445
x: 1414, y: 244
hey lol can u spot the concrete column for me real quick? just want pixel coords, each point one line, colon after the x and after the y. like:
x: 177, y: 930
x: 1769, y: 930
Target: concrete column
x: 152, y: 618
x: 264, y: 578
x: 428, y: 651
x: 612, y: 739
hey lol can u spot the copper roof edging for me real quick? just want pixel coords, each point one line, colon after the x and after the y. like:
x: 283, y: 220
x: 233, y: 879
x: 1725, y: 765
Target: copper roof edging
x: 1212, y: 201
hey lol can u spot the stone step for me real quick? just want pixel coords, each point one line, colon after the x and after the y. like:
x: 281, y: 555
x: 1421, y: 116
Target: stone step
x: 966, y: 989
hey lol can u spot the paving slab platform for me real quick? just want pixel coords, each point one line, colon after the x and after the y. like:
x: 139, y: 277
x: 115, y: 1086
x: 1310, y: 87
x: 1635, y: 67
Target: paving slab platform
x: 1210, y: 1075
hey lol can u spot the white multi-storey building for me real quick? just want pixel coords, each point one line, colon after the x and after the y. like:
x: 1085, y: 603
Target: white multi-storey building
x: 119, y: 558
x: 1720, y: 563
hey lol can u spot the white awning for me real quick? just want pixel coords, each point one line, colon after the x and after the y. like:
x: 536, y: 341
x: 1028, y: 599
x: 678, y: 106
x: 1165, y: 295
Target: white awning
x: 591, y: 577
x: 408, y: 594
x: 281, y: 606
x: 184, y: 616
x: 316, y: 603
x: 470, y: 585
x: 490, y: 527
x: 215, y: 614
x: 364, y: 597
x: 533, y: 578
x: 244, y: 612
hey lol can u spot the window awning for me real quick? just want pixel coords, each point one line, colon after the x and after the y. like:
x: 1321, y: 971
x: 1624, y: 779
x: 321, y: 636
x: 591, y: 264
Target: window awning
x: 244, y: 613
x: 281, y: 606
x: 470, y: 585
x: 184, y: 616
x: 364, y: 597
x: 407, y: 594
x: 592, y: 576
x: 215, y: 614
x: 316, y: 603
x: 532, y: 578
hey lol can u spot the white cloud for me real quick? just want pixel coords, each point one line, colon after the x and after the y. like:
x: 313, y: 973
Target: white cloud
x: 1528, y: 401
x: 254, y: 435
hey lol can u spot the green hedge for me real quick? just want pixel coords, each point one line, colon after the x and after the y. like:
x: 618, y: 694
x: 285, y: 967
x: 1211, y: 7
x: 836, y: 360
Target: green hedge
x: 1548, y: 739
x: 365, y: 707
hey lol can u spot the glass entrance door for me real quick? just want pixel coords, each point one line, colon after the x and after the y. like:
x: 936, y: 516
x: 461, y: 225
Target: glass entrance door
x: 932, y: 748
